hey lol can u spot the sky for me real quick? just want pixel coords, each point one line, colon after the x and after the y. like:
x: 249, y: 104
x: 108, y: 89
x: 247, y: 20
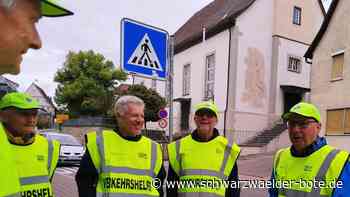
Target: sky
x: 95, y: 26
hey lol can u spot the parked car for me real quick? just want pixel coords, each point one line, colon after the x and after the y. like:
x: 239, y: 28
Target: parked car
x: 71, y: 150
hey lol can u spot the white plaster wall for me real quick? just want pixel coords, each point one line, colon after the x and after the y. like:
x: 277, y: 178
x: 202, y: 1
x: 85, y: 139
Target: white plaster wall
x: 195, y: 56
x: 285, y: 77
x: 255, y: 26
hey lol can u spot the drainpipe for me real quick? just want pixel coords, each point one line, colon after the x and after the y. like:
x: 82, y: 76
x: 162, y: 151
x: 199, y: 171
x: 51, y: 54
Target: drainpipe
x: 228, y: 79
x: 203, y: 34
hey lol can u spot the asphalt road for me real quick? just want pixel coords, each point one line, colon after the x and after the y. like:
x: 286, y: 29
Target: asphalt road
x: 64, y: 182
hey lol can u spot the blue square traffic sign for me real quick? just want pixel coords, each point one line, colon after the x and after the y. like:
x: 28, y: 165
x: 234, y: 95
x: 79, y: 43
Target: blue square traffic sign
x: 144, y: 49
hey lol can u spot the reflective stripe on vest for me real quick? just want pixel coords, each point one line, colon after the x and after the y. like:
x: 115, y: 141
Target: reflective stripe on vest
x: 190, y: 173
x: 14, y: 195
x: 9, y: 181
x: 320, y: 175
x: 315, y: 192
x: 126, y: 179
x: 40, y: 179
x: 34, y: 180
x: 49, y: 157
x: 113, y: 169
x: 36, y: 165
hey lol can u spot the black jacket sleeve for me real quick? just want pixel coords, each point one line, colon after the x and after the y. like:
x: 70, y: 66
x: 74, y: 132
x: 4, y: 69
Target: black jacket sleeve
x: 172, y: 178
x: 161, y: 176
x: 233, y: 192
x: 86, y: 177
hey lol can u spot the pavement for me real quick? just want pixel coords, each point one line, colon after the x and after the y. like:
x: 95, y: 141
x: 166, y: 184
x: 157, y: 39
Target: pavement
x: 64, y: 182
x: 258, y: 166
x: 255, y: 167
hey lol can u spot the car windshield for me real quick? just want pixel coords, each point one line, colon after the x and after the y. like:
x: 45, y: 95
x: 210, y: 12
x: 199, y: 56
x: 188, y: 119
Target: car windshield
x: 65, y: 140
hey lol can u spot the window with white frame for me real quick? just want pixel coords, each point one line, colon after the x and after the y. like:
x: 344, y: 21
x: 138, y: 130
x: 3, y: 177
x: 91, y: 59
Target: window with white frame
x: 297, y: 15
x: 154, y: 84
x: 294, y: 64
x: 186, y: 80
x: 337, y: 66
x: 209, y: 77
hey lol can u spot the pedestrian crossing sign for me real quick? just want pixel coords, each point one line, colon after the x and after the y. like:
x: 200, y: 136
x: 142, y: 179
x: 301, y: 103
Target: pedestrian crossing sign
x: 144, y: 49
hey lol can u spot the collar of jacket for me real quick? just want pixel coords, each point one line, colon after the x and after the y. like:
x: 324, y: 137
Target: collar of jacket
x: 196, y: 137
x: 129, y: 138
x: 316, y: 145
x: 23, y: 140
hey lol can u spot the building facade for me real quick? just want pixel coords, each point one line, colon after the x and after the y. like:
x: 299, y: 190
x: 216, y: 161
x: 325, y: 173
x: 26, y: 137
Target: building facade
x: 330, y: 74
x: 247, y: 56
x: 48, y: 111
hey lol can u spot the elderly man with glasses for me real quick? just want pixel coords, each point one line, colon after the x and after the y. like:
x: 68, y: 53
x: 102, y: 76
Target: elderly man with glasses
x: 310, y: 167
x: 36, y: 157
x: 203, y: 160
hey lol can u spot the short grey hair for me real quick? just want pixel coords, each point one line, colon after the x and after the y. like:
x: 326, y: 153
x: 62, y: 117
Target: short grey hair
x: 121, y: 105
x: 7, y: 3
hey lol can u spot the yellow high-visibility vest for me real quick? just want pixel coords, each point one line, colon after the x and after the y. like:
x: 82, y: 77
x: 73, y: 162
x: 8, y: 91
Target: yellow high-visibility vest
x: 294, y: 176
x: 125, y: 168
x: 35, y: 165
x: 202, y: 166
x: 9, y: 181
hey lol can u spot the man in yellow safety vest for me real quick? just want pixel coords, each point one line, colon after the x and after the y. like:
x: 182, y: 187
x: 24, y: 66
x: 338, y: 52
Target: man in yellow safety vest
x: 310, y: 167
x: 122, y: 162
x: 36, y: 157
x: 203, y: 160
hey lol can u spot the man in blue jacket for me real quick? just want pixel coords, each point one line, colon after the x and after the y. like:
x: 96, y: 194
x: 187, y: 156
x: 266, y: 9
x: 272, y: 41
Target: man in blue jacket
x: 310, y: 167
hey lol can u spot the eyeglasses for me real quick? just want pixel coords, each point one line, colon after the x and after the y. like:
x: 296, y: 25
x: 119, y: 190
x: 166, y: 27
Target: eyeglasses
x: 207, y: 113
x: 27, y: 112
x: 300, y: 124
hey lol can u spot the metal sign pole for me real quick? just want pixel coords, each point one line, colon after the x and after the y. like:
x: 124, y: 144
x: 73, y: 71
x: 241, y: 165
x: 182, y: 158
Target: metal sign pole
x: 133, y: 78
x: 170, y: 80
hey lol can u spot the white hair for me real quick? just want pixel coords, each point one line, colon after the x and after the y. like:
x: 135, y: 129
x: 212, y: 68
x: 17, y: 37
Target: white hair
x: 7, y: 3
x: 121, y: 105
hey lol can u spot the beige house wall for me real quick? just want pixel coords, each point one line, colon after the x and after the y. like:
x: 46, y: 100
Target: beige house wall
x: 311, y: 18
x: 327, y: 94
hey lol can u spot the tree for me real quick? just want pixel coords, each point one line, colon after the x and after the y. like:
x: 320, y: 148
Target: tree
x: 153, y: 101
x: 86, y: 83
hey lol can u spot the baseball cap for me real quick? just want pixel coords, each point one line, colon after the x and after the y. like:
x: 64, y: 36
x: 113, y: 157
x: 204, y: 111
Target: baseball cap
x: 50, y: 9
x: 304, y: 109
x: 209, y: 105
x: 19, y: 100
